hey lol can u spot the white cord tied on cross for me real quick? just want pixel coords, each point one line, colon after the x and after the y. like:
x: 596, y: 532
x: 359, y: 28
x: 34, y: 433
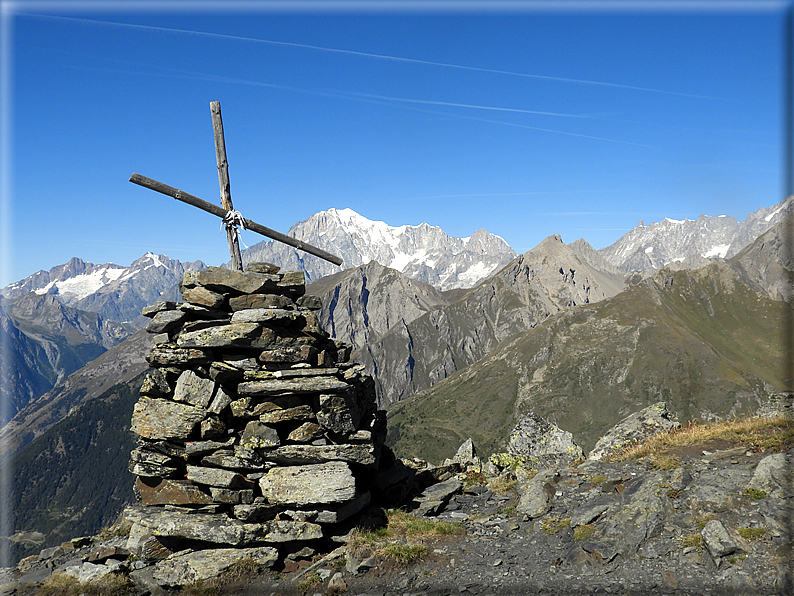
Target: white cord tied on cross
x: 234, y: 220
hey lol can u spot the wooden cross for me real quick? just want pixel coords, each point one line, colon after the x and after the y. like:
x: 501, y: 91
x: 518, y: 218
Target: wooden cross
x: 227, y: 213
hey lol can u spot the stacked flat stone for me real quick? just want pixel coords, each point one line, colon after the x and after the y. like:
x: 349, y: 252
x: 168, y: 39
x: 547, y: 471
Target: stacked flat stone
x: 254, y: 428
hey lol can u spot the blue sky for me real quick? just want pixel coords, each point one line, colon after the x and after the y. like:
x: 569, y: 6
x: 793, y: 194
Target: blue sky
x: 527, y: 120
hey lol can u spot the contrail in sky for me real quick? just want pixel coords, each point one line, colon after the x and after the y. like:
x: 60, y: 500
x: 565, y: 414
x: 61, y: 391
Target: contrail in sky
x: 370, y: 55
x: 344, y: 95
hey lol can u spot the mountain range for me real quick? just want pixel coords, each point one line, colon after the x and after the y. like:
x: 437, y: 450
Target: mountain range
x: 573, y: 334
x: 424, y: 253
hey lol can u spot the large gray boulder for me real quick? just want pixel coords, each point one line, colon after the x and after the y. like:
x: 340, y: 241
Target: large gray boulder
x: 635, y: 428
x: 541, y: 444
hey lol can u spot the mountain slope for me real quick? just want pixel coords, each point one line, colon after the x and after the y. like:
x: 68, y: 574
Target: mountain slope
x: 44, y: 341
x: 704, y: 341
x: 364, y: 303
x: 425, y: 253
x: 118, y: 365
x: 551, y: 277
x: 58, y: 492
x: 668, y: 241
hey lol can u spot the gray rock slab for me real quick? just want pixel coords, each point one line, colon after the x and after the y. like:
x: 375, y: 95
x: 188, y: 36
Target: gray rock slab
x: 297, y: 414
x: 718, y: 540
x: 327, y: 483
x: 162, y: 419
x: 538, y: 439
x: 260, y: 301
x: 203, y: 297
x: 231, y: 335
x: 171, y: 355
x: 280, y: 316
x: 442, y: 491
x: 339, y: 413
x: 259, y: 436
x: 155, y: 384
x: 536, y: 494
x: 186, y: 568
x: 216, y: 477
x: 193, y: 389
x: 299, y: 385
x: 291, y: 455
x: 223, y: 280
x: 218, y: 528
x: 773, y: 475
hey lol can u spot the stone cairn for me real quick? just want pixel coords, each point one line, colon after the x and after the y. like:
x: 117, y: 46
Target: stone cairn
x: 255, y: 432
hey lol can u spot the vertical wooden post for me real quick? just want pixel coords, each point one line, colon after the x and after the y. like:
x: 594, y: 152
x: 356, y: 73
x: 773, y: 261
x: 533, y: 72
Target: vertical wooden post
x: 223, y: 181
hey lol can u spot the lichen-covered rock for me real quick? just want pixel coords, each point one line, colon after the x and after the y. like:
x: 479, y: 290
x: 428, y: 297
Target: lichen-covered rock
x: 718, y: 540
x: 193, y: 389
x: 224, y: 280
x: 293, y: 455
x: 258, y: 436
x: 331, y: 482
x: 536, y: 494
x: 162, y: 419
x: 203, y: 297
x: 542, y: 444
x: 634, y: 429
x: 773, y: 475
x: 159, y: 491
x: 190, y: 567
x: 294, y: 386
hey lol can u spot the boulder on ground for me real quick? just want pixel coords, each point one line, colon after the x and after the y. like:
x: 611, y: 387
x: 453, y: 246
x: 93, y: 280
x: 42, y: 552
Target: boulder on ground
x: 635, y: 428
x: 539, y: 444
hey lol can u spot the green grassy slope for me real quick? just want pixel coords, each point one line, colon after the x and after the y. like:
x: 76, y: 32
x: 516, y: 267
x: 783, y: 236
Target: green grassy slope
x: 702, y: 341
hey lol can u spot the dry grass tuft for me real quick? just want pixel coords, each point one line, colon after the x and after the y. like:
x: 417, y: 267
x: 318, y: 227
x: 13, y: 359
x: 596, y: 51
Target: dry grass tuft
x: 398, y: 541
x: 775, y: 434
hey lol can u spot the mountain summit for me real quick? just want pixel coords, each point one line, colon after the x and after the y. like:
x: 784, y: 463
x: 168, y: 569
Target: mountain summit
x: 424, y: 252
x: 671, y: 241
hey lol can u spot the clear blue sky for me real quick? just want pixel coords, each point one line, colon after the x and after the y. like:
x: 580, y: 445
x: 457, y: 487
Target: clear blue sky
x: 527, y: 121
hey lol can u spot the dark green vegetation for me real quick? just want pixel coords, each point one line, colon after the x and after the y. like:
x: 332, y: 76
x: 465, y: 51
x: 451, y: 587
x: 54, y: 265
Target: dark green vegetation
x: 702, y: 340
x: 73, y: 479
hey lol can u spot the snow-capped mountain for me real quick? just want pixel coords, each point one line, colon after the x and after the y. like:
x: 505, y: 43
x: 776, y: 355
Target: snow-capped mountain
x: 671, y: 241
x: 424, y: 252
x: 116, y: 292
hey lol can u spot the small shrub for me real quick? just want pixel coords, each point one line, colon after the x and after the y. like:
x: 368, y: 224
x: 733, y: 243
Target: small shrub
x: 752, y: 533
x: 313, y: 580
x: 674, y: 493
x: 597, y: 479
x: 754, y: 493
x: 474, y: 479
x: 583, y: 532
x: 502, y: 485
x: 552, y: 525
x: 692, y: 540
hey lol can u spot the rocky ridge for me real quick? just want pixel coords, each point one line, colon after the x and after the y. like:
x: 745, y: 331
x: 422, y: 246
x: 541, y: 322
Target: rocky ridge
x: 669, y: 241
x: 715, y: 521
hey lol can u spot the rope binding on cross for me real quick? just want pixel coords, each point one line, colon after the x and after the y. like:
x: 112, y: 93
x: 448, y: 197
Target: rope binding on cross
x: 234, y: 220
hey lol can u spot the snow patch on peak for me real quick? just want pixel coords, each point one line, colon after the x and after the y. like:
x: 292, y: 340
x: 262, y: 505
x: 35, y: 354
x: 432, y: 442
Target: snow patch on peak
x: 649, y: 250
x: 676, y: 221
x: 717, y: 251
x: 775, y: 212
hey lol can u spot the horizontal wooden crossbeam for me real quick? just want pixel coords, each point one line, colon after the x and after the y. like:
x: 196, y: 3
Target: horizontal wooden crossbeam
x: 181, y: 195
